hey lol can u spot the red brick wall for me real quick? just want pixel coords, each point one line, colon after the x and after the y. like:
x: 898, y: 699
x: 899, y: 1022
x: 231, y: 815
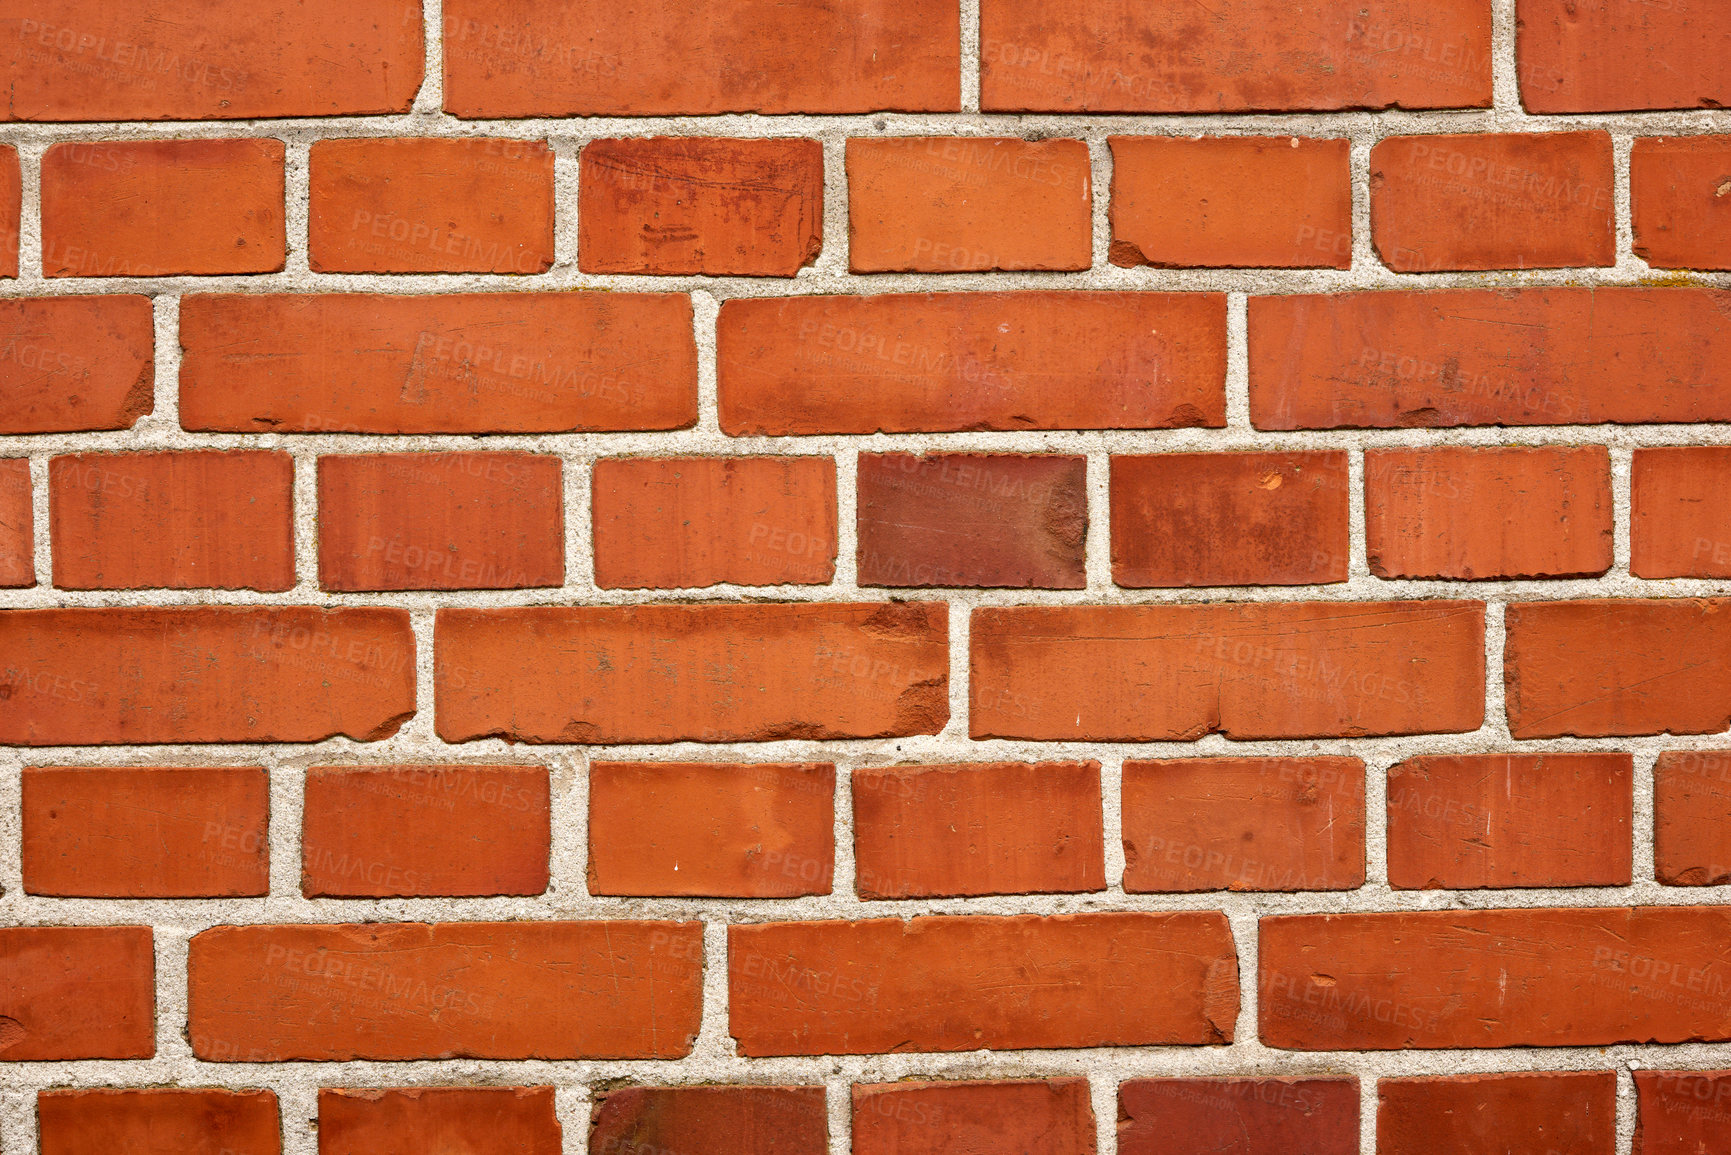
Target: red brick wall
x: 984, y: 576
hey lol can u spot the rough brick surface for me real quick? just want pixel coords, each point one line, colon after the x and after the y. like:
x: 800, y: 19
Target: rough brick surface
x: 1493, y: 201
x: 1680, y: 526
x: 967, y: 204
x: 1249, y: 824
x: 1680, y: 194
x: 1573, y: 1111
x: 708, y: 205
x: 1605, y: 55
x: 153, y: 832
x: 479, y: 1120
x: 721, y: 1120
x: 195, y: 1122
x: 1230, y: 519
x: 77, y: 992
x: 11, y: 205
x: 17, y: 525
x: 1241, y: 1116
x: 1510, y: 820
x: 736, y: 831
x: 157, y: 208
x: 968, y: 982
x: 222, y: 520
x: 75, y: 363
x: 1052, y: 1116
x: 998, y: 828
x: 1473, y: 514
x: 1179, y: 203
x: 1692, y: 818
x: 1680, y: 1112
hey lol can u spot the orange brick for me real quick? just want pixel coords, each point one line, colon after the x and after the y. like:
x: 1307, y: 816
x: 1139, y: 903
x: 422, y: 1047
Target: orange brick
x: 1609, y: 56
x: 1231, y: 202
x: 431, y: 206
x: 11, y: 206
x: 947, y: 362
x: 512, y: 58
x: 151, y: 832
x: 750, y: 1120
x: 1680, y: 523
x: 179, y: 520
x: 669, y: 206
x: 966, y: 983
x: 1679, y: 1112
x: 77, y: 992
x: 1230, y: 519
x: 690, y: 522
x: 1233, y: 56
x: 409, y: 1121
x: 75, y: 364
x: 1240, y: 1116
x: 600, y: 990
x: 1574, y: 1111
x: 711, y: 829
x: 1488, y: 513
x: 463, y: 363
x: 707, y: 673
x: 992, y: 828
x: 1510, y: 820
x: 1692, y: 818
x: 189, y: 60
x: 964, y: 519
x: 84, y: 677
x: 968, y: 204
x: 1493, y: 201
x: 1051, y: 1116
x: 1151, y: 673
x: 1253, y: 824
x: 443, y: 521
x: 382, y: 831
x: 1680, y: 196
x: 158, y: 208
x: 17, y: 524
x: 92, y: 1122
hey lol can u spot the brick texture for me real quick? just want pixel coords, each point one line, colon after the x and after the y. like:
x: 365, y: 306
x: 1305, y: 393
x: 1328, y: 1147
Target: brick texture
x: 767, y: 577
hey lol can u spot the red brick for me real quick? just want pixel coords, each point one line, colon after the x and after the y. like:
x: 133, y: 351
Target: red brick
x: 1537, y: 1114
x: 1574, y: 977
x: 156, y: 208
x: 1680, y: 196
x: 190, y: 60
x: 1603, y: 668
x: 442, y: 521
x: 946, y: 362
x: 1611, y: 56
x: 1230, y: 519
x: 77, y: 992
x: 105, y: 1120
x: 408, y: 990
x: 1493, y: 201
x: 11, y: 207
x: 968, y: 204
x: 413, y: 1120
x: 71, y: 364
x: 1051, y: 1116
x: 964, y: 983
x: 1233, y: 56
x: 672, y: 206
x: 1489, y: 357
x: 1153, y: 673
x: 706, y: 673
x: 1243, y: 824
x: 465, y: 363
x: 708, y: 829
x: 1680, y: 523
x: 690, y: 522
x: 972, y: 520
x: 146, y: 832
x: 1481, y: 513
x: 1680, y: 1112
x: 1238, y: 1117
x: 714, y: 1120
x: 382, y: 831
x: 990, y: 828
x: 513, y: 58
x: 1692, y: 818
x: 430, y: 205
x: 90, y: 677
x: 190, y: 519
x: 17, y: 524
x: 1488, y: 820
x: 1231, y: 202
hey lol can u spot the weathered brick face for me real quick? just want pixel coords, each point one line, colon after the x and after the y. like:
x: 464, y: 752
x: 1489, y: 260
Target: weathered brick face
x: 865, y: 577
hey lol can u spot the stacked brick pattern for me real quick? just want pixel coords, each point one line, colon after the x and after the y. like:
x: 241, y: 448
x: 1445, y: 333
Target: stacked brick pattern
x: 865, y: 576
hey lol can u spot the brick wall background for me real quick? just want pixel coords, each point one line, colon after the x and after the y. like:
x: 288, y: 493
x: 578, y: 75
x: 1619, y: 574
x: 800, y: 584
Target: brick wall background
x: 865, y: 576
